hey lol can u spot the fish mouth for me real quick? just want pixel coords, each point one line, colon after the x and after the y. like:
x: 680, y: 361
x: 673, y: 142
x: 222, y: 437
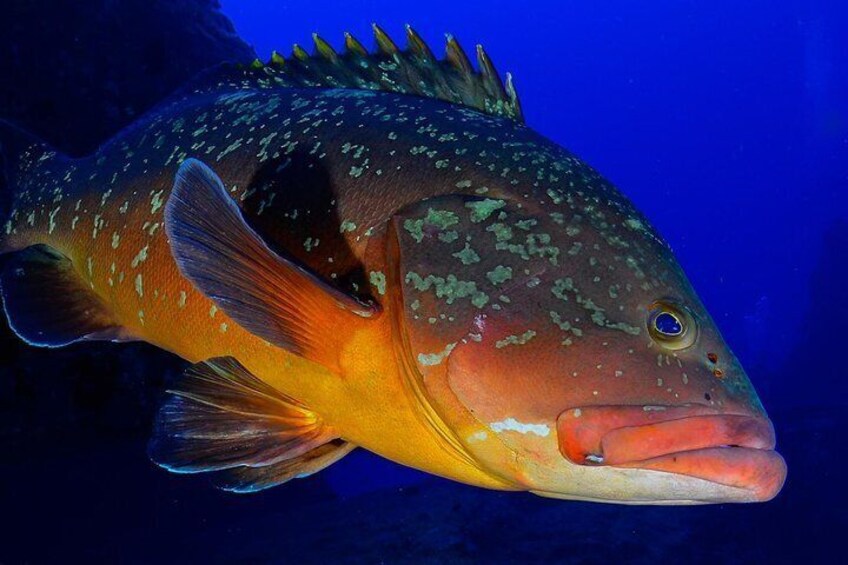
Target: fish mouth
x: 733, y: 450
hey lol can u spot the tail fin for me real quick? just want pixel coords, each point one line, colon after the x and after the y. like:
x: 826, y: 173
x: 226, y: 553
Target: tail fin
x: 20, y: 153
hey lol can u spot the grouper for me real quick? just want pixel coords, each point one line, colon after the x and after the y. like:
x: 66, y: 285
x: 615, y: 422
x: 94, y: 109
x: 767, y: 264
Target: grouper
x: 371, y: 248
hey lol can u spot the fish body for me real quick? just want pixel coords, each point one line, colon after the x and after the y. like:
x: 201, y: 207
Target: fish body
x: 106, y: 213
x: 434, y: 282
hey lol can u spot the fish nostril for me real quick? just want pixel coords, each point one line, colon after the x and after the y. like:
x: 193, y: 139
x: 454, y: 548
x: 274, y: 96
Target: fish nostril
x: 712, y: 357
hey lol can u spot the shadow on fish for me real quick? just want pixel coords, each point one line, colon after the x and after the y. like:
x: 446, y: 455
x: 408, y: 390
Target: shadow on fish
x: 372, y: 249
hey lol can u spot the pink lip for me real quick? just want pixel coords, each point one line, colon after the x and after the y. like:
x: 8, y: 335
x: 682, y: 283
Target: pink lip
x: 729, y: 449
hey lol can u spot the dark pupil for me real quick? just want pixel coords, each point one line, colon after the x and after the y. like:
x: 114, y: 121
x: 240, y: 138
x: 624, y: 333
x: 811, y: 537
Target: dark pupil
x: 668, y: 324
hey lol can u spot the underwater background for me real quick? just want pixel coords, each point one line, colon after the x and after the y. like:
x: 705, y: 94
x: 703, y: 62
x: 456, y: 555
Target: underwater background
x: 726, y: 124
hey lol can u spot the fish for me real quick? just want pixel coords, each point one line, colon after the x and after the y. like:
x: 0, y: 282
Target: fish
x: 370, y: 248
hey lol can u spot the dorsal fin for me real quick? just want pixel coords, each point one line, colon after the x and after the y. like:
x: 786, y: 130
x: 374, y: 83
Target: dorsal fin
x: 413, y: 70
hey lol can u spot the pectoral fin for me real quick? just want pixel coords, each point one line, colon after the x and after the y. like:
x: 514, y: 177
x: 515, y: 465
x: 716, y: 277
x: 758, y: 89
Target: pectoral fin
x: 48, y: 304
x: 222, y: 418
x: 267, y: 294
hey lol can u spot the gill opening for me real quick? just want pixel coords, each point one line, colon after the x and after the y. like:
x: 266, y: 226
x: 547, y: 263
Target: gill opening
x: 445, y: 437
x: 425, y: 412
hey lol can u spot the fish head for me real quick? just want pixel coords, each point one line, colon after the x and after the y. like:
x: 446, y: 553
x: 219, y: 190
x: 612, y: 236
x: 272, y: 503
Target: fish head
x: 565, y: 352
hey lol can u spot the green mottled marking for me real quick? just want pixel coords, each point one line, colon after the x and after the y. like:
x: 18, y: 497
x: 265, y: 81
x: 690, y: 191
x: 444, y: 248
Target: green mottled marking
x: 561, y: 286
x: 450, y: 288
x: 555, y: 197
x: 482, y: 209
x: 448, y: 236
x: 468, y: 256
x: 378, y: 279
x: 565, y: 326
x: 499, y: 274
x: 515, y: 339
x: 309, y: 244
x: 540, y: 246
x: 502, y: 232
x: 438, y: 219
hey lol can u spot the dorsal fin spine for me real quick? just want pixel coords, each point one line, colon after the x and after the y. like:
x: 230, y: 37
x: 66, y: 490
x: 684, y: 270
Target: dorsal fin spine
x: 512, y: 94
x: 277, y: 60
x: 324, y: 49
x: 384, y: 42
x: 413, y: 70
x: 417, y: 45
x: 491, y: 80
x: 455, y: 55
x: 354, y: 46
x: 299, y: 53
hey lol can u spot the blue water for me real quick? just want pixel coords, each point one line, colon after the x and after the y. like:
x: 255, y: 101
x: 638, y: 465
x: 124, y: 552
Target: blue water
x: 728, y: 126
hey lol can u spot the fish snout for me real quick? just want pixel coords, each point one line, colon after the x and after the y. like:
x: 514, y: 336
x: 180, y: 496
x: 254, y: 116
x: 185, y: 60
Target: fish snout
x: 733, y: 450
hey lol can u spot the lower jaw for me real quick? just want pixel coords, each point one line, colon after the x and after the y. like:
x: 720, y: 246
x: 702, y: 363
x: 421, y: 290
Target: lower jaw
x: 758, y: 474
x: 730, y: 496
x: 680, y: 479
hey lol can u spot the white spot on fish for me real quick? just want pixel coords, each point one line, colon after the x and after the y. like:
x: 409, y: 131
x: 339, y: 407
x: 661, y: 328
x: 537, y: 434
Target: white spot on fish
x: 141, y: 257
x: 513, y: 425
x: 430, y: 359
x: 139, y: 285
x: 52, y: 219
x: 156, y: 202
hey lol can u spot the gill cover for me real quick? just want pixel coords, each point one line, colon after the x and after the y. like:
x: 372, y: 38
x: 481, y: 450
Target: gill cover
x: 471, y: 272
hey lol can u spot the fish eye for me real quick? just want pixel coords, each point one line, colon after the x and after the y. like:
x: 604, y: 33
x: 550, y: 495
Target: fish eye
x: 668, y: 324
x: 671, y: 325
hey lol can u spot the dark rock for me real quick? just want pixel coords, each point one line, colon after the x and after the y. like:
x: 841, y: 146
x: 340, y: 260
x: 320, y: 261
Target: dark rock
x: 74, y: 73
